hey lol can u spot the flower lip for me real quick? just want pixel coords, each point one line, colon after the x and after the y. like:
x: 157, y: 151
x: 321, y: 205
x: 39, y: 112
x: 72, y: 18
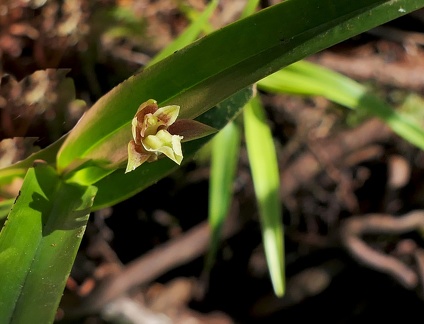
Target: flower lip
x: 164, y: 142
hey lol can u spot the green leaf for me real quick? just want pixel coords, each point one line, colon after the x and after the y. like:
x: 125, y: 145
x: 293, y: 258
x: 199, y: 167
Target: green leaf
x: 249, y: 8
x: 38, y: 244
x: 96, y: 171
x: 306, y: 78
x: 149, y: 173
x: 266, y: 180
x: 5, y: 207
x: 216, y: 66
x: 19, y: 169
x: 188, y: 35
x: 402, y: 124
x: 7, y: 175
x: 225, y: 151
x: 224, y: 156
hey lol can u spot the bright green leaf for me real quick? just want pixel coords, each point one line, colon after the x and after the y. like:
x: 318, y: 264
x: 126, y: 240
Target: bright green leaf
x: 203, y: 74
x: 19, y: 169
x: 225, y: 151
x: 249, y: 8
x: 188, y: 35
x: 306, y: 78
x: 5, y: 207
x: 38, y: 245
x: 266, y: 181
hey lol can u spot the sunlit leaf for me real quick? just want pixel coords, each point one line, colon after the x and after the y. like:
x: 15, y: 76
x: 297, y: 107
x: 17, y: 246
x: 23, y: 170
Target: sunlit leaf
x: 266, y: 181
x: 306, y: 78
x: 203, y: 74
x: 225, y: 151
x: 38, y: 245
x: 188, y: 35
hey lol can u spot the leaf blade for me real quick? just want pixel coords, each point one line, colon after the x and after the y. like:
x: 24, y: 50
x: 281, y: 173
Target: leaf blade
x: 265, y: 174
x: 38, y: 245
x: 305, y: 78
x: 150, y: 173
x: 225, y: 150
x: 188, y: 35
x: 225, y: 62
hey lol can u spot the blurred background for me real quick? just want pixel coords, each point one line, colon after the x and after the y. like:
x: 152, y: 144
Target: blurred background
x: 354, y: 251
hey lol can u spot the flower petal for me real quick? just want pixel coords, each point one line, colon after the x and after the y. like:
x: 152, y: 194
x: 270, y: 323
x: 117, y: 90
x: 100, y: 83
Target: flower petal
x: 146, y: 108
x: 135, y: 132
x: 150, y: 125
x: 168, y: 114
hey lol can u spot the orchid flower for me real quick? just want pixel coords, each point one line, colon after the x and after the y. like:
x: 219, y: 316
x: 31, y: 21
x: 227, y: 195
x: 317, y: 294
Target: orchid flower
x: 156, y: 131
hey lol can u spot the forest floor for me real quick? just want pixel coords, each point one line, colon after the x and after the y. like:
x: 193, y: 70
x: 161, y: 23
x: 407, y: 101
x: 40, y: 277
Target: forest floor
x: 352, y: 191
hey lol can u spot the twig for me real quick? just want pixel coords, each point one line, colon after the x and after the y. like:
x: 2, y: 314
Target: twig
x: 126, y: 310
x: 356, y: 226
x: 151, y: 265
x: 398, y: 35
x: 406, y: 75
x: 195, y: 242
x: 419, y: 259
x: 307, y: 166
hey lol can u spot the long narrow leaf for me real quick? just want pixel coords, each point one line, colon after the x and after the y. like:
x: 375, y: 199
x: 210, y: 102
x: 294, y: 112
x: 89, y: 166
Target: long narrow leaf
x: 49, y: 154
x: 38, y: 245
x: 216, y: 66
x: 224, y: 156
x: 249, y: 8
x: 19, y: 169
x: 188, y: 35
x: 306, y: 78
x: 225, y: 151
x: 264, y: 167
x: 5, y: 207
